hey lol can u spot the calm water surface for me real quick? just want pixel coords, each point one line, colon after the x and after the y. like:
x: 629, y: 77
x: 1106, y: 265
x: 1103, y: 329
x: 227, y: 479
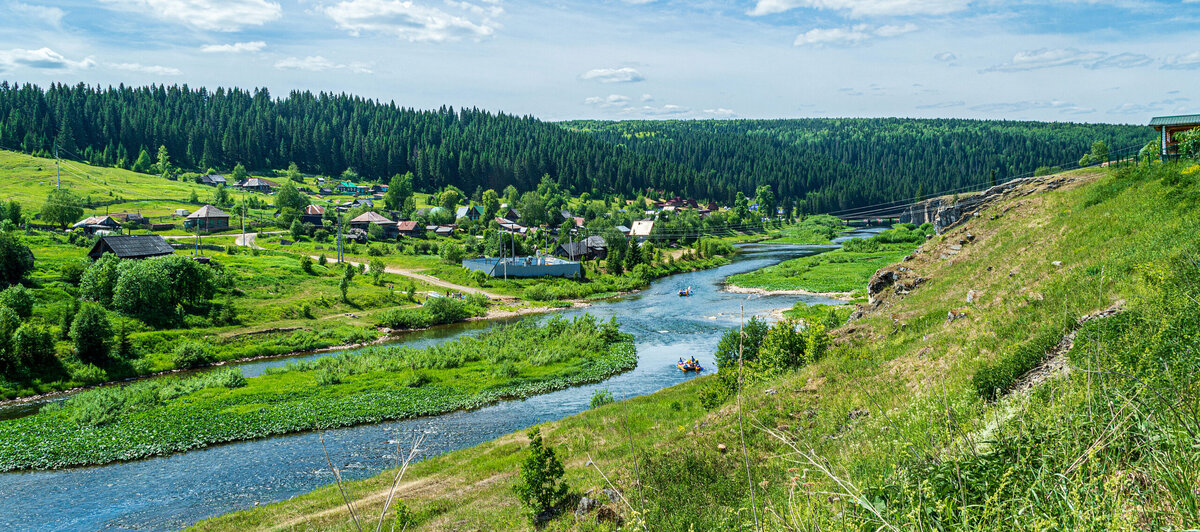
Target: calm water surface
x: 175, y: 491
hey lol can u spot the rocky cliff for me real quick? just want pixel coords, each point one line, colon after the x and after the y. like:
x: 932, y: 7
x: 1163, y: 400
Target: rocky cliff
x: 948, y: 211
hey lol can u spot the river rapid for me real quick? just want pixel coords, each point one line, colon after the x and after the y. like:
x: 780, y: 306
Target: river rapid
x: 172, y: 492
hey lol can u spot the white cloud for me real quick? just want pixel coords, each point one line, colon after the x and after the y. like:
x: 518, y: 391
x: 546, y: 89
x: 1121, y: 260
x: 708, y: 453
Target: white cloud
x: 613, y: 75
x: 943, y: 105
x: 665, y: 110
x: 235, y: 48
x: 720, y: 112
x: 613, y: 101
x: 210, y: 15
x: 48, y: 15
x: 413, y: 22
x: 945, y: 57
x: 42, y: 58
x: 1169, y: 104
x: 316, y: 63
x: 1182, y: 62
x: 647, y: 97
x: 1031, y: 105
x: 864, y: 8
x: 157, y: 70
x: 853, y: 35
x: 1059, y: 57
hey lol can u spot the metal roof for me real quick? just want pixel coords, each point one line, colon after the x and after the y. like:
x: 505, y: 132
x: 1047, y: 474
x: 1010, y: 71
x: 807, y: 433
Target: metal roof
x: 131, y: 246
x: 207, y: 211
x: 371, y: 217
x: 1178, y: 120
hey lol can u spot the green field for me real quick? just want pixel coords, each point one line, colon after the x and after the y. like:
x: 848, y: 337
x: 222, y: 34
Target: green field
x: 171, y: 415
x: 837, y: 271
x: 893, y: 428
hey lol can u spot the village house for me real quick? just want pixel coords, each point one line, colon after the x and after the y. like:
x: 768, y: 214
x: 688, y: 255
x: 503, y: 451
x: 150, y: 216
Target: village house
x: 1169, y: 126
x: 642, y: 229
x: 131, y: 247
x: 346, y: 187
x: 94, y: 224
x: 258, y: 184
x: 474, y: 212
x: 213, y: 180
x: 590, y: 248
x: 410, y: 228
x: 365, y: 220
x: 313, y: 214
x: 207, y: 218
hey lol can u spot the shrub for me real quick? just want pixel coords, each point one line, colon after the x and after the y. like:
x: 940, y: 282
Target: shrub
x: 452, y: 253
x: 322, y: 260
x: 327, y: 377
x: 15, y: 258
x: 601, y: 397
x: 537, y: 292
x: 783, y: 347
x: 230, y: 378
x: 190, y: 355
x: 306, y: 265
x: 861, y: 245
x: 18, y: 298
x: 90, y: 334
x: 33, y: 344
x: 404, y: 318
x: 540, y: 486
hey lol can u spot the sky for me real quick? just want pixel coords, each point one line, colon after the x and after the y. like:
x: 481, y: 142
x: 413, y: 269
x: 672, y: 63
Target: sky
x: 1114, y: 61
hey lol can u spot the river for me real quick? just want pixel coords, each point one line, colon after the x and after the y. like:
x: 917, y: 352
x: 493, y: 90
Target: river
x: 174, y: 491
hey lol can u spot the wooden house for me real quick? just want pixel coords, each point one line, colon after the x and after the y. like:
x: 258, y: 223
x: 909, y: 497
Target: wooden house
x: 208, y: 218
x: 131, y: 247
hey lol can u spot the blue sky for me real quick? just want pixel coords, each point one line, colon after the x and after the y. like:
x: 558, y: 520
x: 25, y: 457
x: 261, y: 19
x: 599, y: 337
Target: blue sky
x: 1083, y: 60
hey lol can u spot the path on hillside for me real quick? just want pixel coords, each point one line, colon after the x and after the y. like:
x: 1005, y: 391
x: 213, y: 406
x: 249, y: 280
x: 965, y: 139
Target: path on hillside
x: 413, y: 274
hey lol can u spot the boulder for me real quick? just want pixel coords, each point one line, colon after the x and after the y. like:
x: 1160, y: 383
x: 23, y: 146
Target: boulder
x: 586, y: 505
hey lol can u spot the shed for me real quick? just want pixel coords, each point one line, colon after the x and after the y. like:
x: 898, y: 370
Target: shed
x: 131, y: 247
x: 209, y: 218
x: 1169, y: 126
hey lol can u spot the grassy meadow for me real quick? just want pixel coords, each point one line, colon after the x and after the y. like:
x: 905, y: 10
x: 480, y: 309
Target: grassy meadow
x: 171, y: 415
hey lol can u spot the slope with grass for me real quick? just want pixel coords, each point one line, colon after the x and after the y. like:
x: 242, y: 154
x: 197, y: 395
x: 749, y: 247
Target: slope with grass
x: 893, y: 428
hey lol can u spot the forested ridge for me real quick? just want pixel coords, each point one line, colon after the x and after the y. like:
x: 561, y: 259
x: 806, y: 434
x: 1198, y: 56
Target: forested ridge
x: 322, y: 133
x: 817, y: 164
x: 841, y: 163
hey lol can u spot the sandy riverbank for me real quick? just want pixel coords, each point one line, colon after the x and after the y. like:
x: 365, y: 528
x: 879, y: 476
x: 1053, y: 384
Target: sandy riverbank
x: 841, y: 296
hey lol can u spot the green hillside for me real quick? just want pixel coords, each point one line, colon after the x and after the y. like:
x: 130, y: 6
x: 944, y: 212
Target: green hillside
x: 920, y: 414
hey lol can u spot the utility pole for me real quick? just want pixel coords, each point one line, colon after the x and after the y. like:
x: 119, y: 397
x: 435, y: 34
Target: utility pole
x: 244, y: 243
x: 339, y: 251
x: 57, y: 176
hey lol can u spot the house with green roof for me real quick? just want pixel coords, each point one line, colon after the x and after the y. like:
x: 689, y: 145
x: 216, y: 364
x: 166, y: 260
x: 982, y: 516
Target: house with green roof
x: 1170, y: 126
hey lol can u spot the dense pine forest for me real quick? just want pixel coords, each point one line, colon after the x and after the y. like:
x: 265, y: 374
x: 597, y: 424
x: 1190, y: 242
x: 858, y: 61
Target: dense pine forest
x: 817, y: 164
x: 842, y: 163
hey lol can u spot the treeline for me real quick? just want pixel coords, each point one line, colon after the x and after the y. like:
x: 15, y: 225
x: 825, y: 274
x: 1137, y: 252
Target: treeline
x: 322, y: 133
x: 817, y: 165
x: 831, y: 164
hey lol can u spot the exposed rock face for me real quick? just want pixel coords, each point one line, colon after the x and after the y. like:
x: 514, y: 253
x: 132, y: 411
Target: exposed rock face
x: 947, y: 212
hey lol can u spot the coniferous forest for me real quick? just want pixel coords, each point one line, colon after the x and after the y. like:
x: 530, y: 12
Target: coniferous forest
x: 818, y: 165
